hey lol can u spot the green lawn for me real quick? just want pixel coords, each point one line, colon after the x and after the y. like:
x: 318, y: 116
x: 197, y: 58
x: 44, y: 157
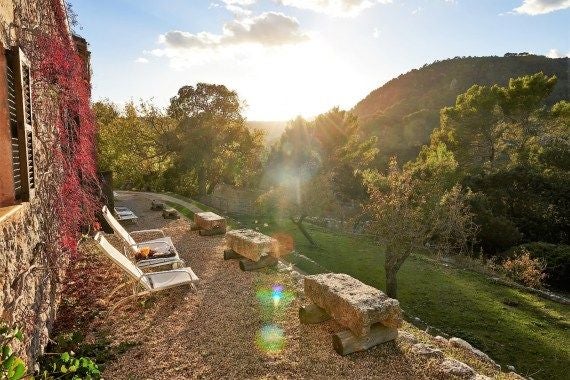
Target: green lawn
x: 533, y: 336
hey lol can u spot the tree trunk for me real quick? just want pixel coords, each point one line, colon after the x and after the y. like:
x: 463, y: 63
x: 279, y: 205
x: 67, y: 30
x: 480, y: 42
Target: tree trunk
x: 301, y: 227
x: 202, y: 185
x: 391, y: 283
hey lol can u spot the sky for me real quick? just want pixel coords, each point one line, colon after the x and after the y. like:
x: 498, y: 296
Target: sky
x: 299, y: 57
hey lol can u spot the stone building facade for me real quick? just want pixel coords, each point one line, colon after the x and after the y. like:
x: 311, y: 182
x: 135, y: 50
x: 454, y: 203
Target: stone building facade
x: 30, y: 278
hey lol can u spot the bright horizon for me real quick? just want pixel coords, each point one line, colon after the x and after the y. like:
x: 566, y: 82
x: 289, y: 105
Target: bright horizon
x: 290, y: 57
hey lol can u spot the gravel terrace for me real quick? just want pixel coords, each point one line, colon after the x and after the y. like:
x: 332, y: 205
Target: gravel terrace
x: 214, y: 333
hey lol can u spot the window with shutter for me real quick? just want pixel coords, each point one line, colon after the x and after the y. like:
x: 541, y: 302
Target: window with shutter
x: 13, y: 122
x: 21, y: 123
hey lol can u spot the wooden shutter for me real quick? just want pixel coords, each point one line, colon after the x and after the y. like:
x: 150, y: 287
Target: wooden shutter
x: 14, y: 130
x: 23, y: 128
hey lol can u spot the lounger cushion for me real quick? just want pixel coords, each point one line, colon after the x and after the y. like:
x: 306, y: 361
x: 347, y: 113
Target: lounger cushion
x: 168, y: 279
x: 160, y: 246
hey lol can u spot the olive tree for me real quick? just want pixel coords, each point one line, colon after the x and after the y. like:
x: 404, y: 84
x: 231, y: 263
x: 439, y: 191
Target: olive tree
x: 404, y: 218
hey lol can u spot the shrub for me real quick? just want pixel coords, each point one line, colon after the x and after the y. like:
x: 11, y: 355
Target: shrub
x: 67, y: 366
x: 496, y: 233
x: 522, y: 268
x: 557, y: 260
x: 12, y: 367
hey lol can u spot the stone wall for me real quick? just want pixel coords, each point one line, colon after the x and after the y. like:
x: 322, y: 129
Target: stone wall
x: 29, y: 279
x: 31, y: 262
x: 232, y: 200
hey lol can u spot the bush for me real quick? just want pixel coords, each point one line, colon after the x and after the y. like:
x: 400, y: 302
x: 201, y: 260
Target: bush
x: 496, y: 232
x: 524, y: 269
x: 557, y: 260
x: 67, y: 366
x: 12, y: 367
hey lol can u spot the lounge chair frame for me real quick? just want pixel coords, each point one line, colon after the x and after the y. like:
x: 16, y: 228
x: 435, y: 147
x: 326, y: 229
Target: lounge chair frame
x: 131, y: 247
x: 142, y: 283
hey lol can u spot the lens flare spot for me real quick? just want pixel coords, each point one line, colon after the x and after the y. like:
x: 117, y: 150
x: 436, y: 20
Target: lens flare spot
x: 276, y: 294
x: 274, y: 300
x: 270, y: 339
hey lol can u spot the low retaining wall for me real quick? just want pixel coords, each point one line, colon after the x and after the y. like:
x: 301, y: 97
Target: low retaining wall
x: 229, y: 199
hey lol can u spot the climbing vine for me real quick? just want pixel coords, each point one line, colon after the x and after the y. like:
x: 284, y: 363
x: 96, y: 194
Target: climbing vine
x: 65, y: 125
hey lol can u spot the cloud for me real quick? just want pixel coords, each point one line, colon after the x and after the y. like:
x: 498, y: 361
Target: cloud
x: 336, y: 8
x: 416, y: 11
x: 555, y: 53
x: 539, y: 7
x: 141, y: 60
x: 267, y: 29
x: 238, y: 11
x: 238, y: 7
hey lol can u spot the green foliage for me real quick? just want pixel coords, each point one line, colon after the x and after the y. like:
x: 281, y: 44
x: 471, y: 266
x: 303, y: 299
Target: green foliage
x: 497, y: 232
x: 201, y: 141
x: 211, y: 141
x: 67, y: 366
x: 74, y: 358
x: 404, y: 111
x: 494, y: 127
x: 555, y: 256
x: 511, y: 151
x: 405, y: 216
x: 535, y: 203
x: 132, y: 144
x: 12, y: 367
x: 330, y: 145
x: 297, y: 200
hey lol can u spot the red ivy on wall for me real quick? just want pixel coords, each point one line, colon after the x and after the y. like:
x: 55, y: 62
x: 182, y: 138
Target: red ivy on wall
x: 60, y: 73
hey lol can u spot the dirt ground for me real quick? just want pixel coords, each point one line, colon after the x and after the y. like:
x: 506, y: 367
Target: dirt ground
x: 228, y: 328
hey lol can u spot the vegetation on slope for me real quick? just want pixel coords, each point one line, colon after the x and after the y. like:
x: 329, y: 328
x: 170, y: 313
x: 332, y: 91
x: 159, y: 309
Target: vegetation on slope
x: 404, y: 111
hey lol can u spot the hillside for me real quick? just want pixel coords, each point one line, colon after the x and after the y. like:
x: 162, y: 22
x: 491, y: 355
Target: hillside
x: 404, y: 111
x: 272, y: 129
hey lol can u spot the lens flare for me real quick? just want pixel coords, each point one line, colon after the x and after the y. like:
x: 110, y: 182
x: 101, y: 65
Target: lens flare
x: 271, y: 339
x: 273, y: 302
x: 276, y: 294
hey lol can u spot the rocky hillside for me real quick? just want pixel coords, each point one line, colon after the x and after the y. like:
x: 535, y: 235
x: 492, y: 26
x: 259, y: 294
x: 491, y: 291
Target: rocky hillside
x: 404, y: 111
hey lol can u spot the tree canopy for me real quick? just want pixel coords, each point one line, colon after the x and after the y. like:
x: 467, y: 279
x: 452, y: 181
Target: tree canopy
x: 199, y: 142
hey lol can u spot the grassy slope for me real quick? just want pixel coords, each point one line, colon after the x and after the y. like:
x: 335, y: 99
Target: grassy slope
x: 533, y: 336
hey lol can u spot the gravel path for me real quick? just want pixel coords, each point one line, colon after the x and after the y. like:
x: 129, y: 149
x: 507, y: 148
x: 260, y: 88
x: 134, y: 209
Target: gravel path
x: 215, y: 332
x: 162, y: 197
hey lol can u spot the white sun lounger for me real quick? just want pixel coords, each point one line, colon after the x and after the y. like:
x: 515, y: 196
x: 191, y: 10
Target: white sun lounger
x: 144, y: 283
x: 123, y: 213
x: 160, y: 245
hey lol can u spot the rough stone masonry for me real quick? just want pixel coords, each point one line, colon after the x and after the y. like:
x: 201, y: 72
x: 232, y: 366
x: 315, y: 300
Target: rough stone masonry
x: 351, y: 303
x: 209, y: 221
x: 252, y: 244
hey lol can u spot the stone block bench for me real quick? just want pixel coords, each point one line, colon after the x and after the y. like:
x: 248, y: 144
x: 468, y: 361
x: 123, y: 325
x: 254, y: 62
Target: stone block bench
x: 208, y: 224
x: 157, y: 205
x: 254, y: 249
x: 170, y: 213
x: 370, y: 316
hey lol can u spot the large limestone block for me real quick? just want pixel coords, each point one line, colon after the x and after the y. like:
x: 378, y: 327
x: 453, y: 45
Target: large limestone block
x: 209, y: 221
x: 352, y: 303
x: 252, y: 244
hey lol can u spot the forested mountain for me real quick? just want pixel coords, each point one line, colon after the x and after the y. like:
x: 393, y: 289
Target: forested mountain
x: 272, y: 129
x: 404, y: 111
